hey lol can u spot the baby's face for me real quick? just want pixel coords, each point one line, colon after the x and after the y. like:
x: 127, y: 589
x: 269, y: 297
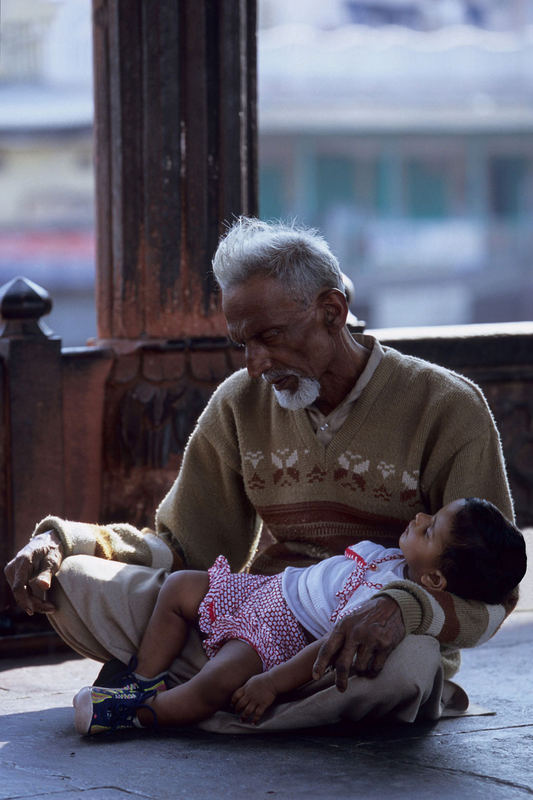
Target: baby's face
x: 425, y: 538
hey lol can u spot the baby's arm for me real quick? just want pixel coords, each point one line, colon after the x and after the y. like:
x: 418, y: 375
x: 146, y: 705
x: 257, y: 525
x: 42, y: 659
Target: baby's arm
x: 259, y: 692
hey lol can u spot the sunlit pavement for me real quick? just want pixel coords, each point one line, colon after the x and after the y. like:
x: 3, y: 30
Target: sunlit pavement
x: 488, y: 756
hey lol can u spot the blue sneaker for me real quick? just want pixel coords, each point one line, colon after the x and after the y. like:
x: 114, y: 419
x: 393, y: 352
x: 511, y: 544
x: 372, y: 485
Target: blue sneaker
x: 127, y: 680
x: 99, y: 710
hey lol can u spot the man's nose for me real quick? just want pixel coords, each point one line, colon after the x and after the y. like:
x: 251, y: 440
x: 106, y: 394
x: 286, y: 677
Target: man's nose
x: 257, y: 359
x: 421, y: 518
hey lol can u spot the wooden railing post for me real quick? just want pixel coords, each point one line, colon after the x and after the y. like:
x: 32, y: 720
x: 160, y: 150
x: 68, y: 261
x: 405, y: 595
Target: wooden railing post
x: 32, y: 430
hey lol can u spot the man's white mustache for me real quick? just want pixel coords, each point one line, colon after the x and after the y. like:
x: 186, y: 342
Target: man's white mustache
x: 277, y: 374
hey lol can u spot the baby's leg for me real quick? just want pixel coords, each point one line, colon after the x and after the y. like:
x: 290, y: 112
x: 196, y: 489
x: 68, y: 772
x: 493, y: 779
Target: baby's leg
x: 175, y: 611
x: 208, y: 691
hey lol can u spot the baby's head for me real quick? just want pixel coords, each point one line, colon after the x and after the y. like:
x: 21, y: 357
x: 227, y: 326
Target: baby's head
x: 468, y: 548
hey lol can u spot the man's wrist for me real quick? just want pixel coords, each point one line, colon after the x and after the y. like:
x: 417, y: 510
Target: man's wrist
x: 409, y: 607
x: 178, y: 556
x: 56, y: 540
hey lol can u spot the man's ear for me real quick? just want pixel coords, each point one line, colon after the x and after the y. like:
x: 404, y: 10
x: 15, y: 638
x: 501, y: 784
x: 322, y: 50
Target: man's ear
x: 434, y: 580
x: 334, y: 306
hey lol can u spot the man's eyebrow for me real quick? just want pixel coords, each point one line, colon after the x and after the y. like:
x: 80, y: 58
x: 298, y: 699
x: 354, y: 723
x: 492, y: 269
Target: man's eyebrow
x: 237, y: 338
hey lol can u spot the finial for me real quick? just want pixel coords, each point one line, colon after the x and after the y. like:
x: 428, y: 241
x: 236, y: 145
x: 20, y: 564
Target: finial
x: 22, y: 304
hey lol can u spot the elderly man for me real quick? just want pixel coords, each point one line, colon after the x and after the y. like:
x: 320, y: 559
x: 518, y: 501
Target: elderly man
x: 324, y: 440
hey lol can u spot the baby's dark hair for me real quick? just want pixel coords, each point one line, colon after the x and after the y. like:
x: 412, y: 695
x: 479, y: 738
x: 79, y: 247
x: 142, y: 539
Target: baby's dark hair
x: 486, y: 556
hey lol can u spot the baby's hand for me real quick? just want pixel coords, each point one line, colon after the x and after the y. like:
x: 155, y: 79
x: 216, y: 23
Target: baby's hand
x: 252, y: 700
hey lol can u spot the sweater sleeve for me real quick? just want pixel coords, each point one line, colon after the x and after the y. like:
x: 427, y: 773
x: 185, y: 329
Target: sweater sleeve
x: 473, y: 468
x: 454, y: 622
x: 207, y: 511
x: 118, y: 542
x: 476, y: 470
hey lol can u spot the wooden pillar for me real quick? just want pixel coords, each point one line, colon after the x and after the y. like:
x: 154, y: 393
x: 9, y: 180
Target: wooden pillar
x: 175, y: 125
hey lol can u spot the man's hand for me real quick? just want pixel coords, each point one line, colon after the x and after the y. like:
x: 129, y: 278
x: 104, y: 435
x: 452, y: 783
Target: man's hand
x: 30, y: 573
x: 369, y: 636
x: 252, y: 700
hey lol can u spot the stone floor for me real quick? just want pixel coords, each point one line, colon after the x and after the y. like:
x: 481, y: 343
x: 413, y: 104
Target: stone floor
x: 485, y: 757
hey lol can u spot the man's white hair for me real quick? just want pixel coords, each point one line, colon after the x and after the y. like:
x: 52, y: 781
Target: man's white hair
x: 299, y: 257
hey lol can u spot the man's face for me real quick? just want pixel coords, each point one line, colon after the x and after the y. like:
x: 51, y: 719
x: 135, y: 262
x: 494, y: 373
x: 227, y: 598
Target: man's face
x: 285, y: 341
x: 426, y: 537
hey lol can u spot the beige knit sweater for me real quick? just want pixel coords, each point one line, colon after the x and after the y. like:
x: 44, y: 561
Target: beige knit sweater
x: 418, y: 437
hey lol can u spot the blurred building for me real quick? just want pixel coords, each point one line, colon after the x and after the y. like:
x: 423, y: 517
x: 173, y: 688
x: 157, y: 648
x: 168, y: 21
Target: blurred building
x: 416, y: 14
x: 413, y: 152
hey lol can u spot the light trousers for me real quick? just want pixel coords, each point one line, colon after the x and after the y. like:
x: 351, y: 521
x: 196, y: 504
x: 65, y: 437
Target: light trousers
x: 103, y: 608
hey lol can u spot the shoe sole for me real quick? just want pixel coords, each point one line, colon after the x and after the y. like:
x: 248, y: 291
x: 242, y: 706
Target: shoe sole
x: 83, y: 710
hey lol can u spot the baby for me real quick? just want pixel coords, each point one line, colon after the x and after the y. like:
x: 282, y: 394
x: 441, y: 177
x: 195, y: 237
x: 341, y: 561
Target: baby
x: 262, y: 633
